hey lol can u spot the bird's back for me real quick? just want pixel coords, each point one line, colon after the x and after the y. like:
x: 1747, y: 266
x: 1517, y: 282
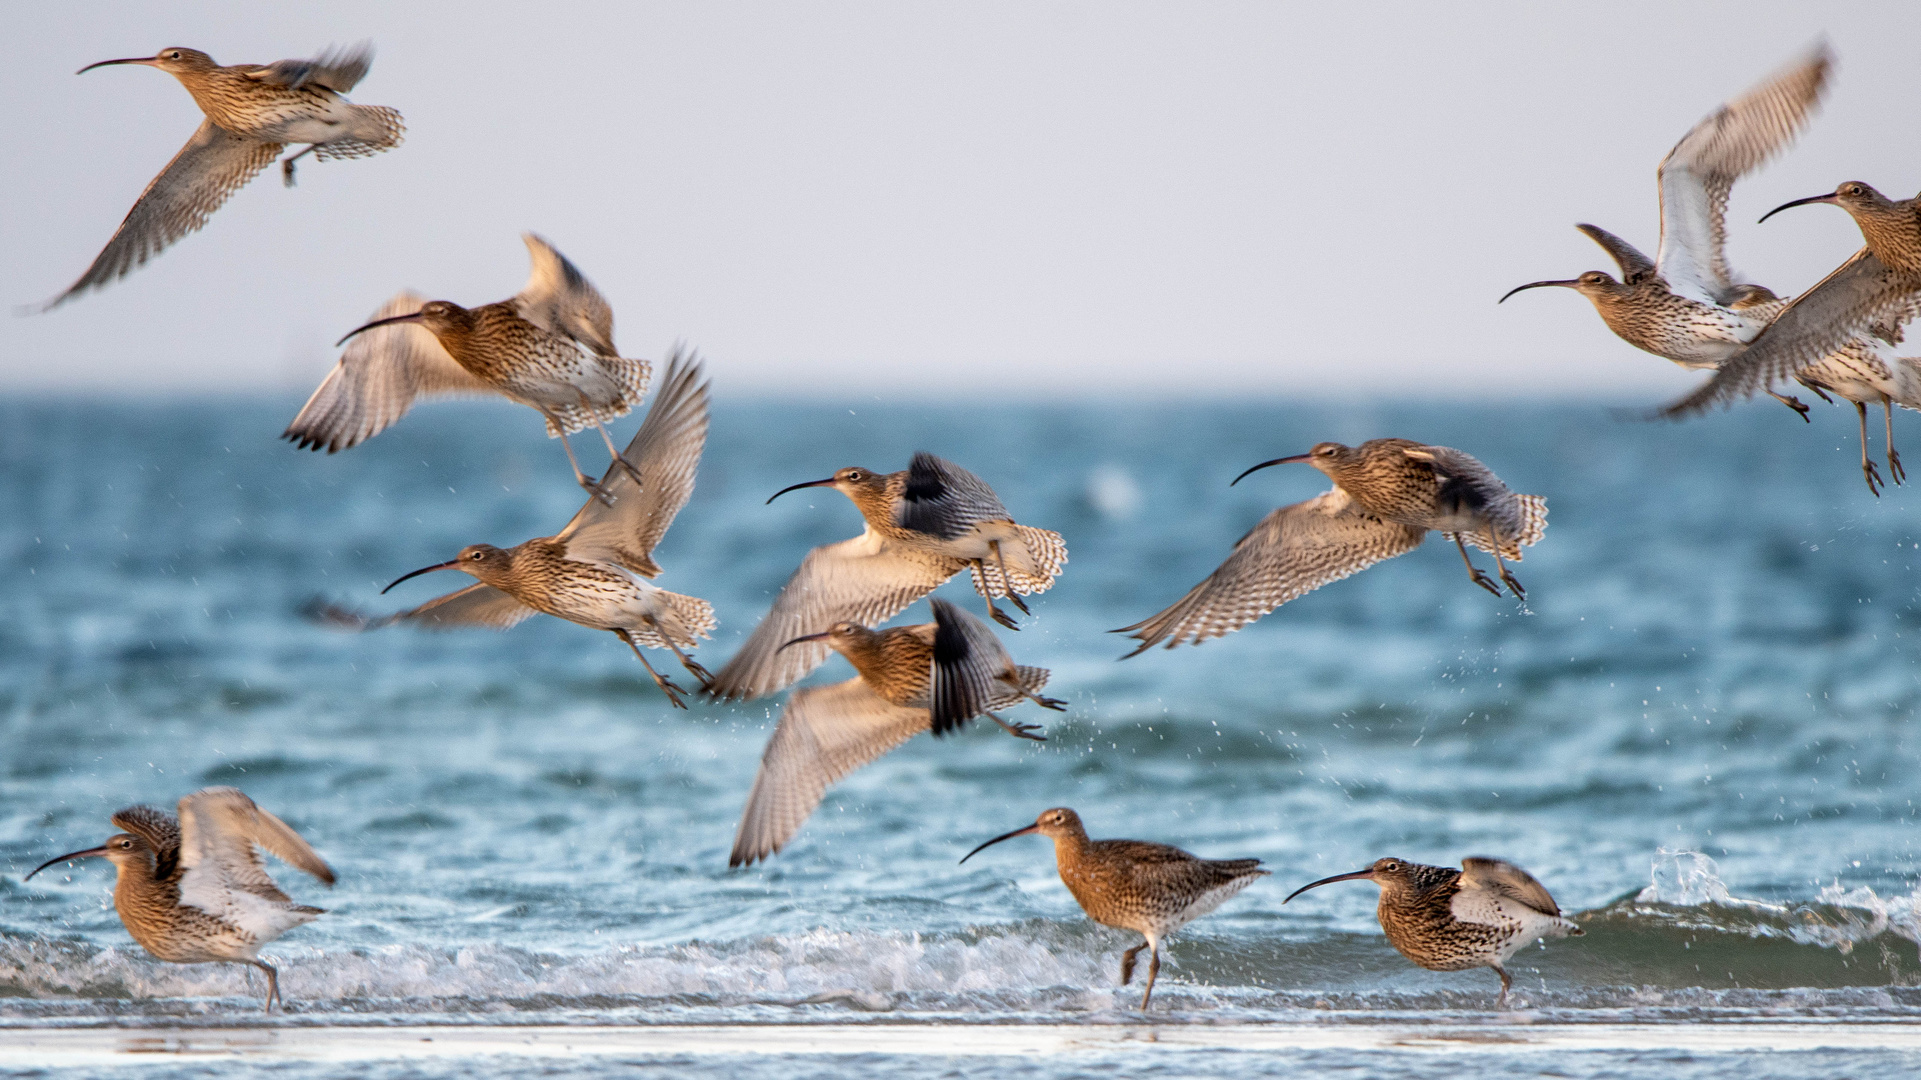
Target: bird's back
x: 1148, y: 887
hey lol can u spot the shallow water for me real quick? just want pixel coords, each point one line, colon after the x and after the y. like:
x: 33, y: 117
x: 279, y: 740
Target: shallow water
x: 1695, y: 732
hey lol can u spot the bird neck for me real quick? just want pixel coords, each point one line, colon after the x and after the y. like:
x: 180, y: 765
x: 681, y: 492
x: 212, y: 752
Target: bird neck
x: 136, y: 890
x: 1070, y: 850
x: 1892, y: 231
x: 878, y: 502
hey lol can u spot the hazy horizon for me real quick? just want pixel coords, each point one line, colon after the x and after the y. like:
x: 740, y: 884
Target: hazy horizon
x: 1048, y: 200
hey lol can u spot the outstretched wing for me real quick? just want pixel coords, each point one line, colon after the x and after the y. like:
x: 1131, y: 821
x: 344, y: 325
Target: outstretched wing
x: 666, y: 450
x: 1698, y: 173
x: 336, y: 69
x: 1293, y: 551
x: 825, y: 732
x: 559, y: 299
x: 1635, y: 267
x: 945, y: 500
x: 476, y: 605
x: 1508, y: 880
x: 864, y: 580
x: 213, y: 165
x: 377, y: 380
x: 221, y: 834
x: 160, y: 830
x: 1858, y: 296
x: 971, y: 669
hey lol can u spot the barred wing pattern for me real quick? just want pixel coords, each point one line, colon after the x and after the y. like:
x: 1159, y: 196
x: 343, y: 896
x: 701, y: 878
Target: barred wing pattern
x: 206, y: 172
x: 825, y: 732
x: 1698, y: 173
x: 1293, y: 551
x: 339, y: 70
x: 971, y: 670
x: 1522, y: 518
x: 559, y: 299
x: 379, y: 376
x: 942, y: 499
x: 1509, y: 880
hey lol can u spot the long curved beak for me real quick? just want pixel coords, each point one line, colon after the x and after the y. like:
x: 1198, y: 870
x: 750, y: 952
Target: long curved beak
x: 1357, y: 875
x: 1828, y: 198
x: 147, y: 60
x: 98, y: 852
x: 1535, y: 285
x: 811, y: 483
x: 415, y: 317
x: 822, y: 636
x: 1277, y: 461
x: 448, y: 565
x: 1034, y: 828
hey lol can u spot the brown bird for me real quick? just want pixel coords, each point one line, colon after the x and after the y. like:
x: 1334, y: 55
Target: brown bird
x: 1871, y: 296
x: 924, y: 525
x: 934, y: 676
x: 595, y: 572
x: 193, y: 890
x: 1450, y: 920
x: 253, y: 112
x: 551, y: 347
x: 1151, y: 889
x: 1686, y: 304
x: 1388, y: 493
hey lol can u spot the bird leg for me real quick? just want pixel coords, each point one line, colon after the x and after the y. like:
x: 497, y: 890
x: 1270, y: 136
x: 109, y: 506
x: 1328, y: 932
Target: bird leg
x: 693, y: 667
x: 286, y: 167
x: 1153, y: 972
x: 1894, y: 460
x: 1014, y: 684
x: 1474, y: 572
x: 666, y: 685
x: 1506, y: 575
x: 1019, y: 731
x: 1007, y: 581
x: 1506, y: 982
x: 580, y: 478
x: 1127, y: 963
x: 987, y: 594
x: 619, y: 459
x: 1794, y: 403
x: 1875, y: 483
x: 273, y: 983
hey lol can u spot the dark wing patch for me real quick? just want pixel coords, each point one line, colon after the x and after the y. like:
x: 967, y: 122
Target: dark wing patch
x: 944, y: 500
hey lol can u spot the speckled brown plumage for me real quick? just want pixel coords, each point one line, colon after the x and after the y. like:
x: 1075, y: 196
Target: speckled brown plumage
x: 1450, y: 920
x: 193, y: 889
x: 1151, y: 889
x: 1388, y: 494
x: 252, y: 112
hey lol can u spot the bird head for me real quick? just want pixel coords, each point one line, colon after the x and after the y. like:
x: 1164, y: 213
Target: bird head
x: 841, y: 637
x: 853, y: 482
x: 1054, y: 824
x: 124, y: 850
x: 1326, y: 456
x: 1854, y: 196
x: 1391, y: 874
x: 484, y: 561
x: 1594, y: 283
x: 438, y: 316
x: 174, y: 61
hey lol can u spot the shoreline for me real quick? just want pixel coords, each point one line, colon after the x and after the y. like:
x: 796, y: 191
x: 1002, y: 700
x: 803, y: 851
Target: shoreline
x: 58, y: 1047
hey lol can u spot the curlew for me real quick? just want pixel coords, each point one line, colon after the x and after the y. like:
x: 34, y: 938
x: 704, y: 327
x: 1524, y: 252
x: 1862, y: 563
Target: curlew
x: 1387, y: 495
x: 252, y: 112
x: 924, y: 525
x: 1452, y: 920
x: 550, y: 347
x: 935, y: 676
x: 1151, y: 889
x: 193, y: 890
x: 597, y: 571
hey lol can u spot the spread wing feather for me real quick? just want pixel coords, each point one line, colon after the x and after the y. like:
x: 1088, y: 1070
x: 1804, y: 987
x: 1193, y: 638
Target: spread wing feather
x: 338, y: 70
x: 971, y: 669
x: 1635, y: 267
x: 1294, y: 550
x: 221, y: 834
x: 559, y: 299
x: 1508, y: 880
x: 824, y: 733
x: 942, y: 499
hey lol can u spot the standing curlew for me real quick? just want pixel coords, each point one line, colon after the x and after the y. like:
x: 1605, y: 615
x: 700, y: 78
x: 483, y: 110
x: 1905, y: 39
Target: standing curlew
x: 1451, y: 920
x: 934, y: 676
x: 1387, y: 494
x: 551, y: 347
x: 924, y: 525
x: 1151, y: 889
x: 253, y: 112
x: 595, y: 571
x: 193, y: 890
x: 1685, y: 304
x: 1861, y: 306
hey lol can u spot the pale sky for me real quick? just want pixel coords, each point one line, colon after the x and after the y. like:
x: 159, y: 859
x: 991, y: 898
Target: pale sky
x: 1006, y: 199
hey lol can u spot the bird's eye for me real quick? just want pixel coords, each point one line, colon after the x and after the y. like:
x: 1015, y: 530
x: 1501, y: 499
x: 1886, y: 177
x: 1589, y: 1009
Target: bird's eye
x: 173, y: 55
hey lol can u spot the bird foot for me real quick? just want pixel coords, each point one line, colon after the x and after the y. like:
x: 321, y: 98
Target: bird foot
x: 1799, y: 406
x: 1019, y: 731
x: 593, y: 488
x: 1014, y: 599
x: 672, y: 691
x: 1479, y: 577
x: 1053, y: 703
x: 1519, y: 593
x: 286, y: 173
x: 1894, y: 466
x: 1875, y: 483
x: 1002, y: 617
x: 697, y: 671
